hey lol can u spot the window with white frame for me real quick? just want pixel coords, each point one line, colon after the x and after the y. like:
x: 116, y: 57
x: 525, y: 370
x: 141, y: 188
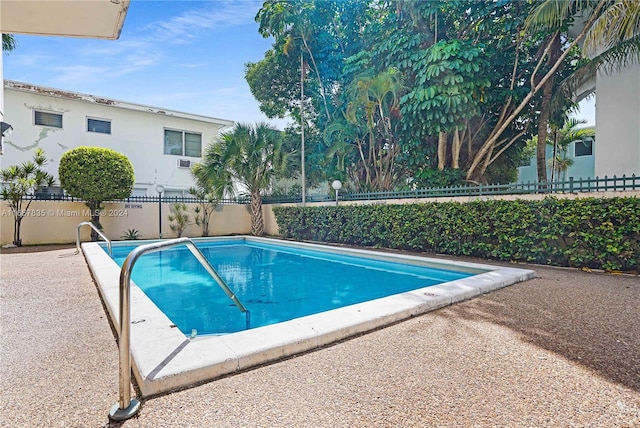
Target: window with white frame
x: 100, y: 126
x: 182, y: 143
x: 45, y: 118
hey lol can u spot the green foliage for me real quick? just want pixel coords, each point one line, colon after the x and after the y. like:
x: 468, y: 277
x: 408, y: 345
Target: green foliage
x: 8, y: 42
x: 95, y: 175
x: 131, y: 235
x: 363, y: 139
x: 179, y: 218
x: 208, y: 193
x: 586, y: 232
x: 251, y: 156
x: 450, y: 87
x: 20, y: 185
x: 472, y: 69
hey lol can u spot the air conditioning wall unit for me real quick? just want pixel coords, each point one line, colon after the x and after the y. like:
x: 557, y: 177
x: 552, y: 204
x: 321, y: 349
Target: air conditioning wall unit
x: 184, y: 163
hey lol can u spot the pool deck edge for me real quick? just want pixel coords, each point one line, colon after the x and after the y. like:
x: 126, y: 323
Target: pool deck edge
x: 165, y: 360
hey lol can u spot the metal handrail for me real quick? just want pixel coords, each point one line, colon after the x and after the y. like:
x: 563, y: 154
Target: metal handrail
x: 88, y: 223
x: 127, y: 407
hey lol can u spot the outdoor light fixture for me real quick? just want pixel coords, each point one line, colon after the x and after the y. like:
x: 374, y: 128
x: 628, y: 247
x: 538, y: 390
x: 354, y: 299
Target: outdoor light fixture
x: 337, y: 185
x: 5, y: 129
x: 160, y: 190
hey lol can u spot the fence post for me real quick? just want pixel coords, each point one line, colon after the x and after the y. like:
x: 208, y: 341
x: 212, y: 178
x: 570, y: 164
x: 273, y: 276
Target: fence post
x: 570, y: 184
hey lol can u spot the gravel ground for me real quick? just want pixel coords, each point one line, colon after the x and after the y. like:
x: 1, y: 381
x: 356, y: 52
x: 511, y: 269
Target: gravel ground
x: 561, y: 350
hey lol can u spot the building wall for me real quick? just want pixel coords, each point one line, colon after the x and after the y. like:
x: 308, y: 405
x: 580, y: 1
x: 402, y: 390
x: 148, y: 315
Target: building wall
x: 618, y: 123
x: 583, y: 166
x: 137, y: 134
x: 53, y: 222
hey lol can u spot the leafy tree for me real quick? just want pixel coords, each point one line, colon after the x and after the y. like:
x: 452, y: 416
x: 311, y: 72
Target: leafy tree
x: 367, y: 134
x: 21, y: 183
x: 249, y: 156
x: 451, y: 77
x: 612, y: 39
x: 179, y: 218
x: 479, y: 77
x: 95, y: 175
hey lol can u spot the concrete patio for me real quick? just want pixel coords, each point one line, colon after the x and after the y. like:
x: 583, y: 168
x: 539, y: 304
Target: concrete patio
x: 559, y: 350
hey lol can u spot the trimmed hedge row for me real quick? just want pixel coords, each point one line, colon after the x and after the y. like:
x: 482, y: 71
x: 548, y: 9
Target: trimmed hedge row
x: 585, y: 232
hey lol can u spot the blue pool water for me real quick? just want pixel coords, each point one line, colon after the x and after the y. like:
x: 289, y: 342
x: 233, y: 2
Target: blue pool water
x: 275, y: 283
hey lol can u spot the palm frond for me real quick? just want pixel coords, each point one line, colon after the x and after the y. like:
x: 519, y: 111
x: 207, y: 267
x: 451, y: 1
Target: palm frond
x: 618, y: 22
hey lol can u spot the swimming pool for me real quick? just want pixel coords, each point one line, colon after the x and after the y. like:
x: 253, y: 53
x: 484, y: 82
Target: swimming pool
x: 165, y: 359
x: 276, y: 283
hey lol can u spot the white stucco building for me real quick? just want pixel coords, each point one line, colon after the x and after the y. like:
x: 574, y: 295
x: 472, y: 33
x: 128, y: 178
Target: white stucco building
x: 99, y: 19
x: 161, y: 144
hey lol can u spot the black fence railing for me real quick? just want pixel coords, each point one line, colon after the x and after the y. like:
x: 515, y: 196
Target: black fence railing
x: 572, y: 185
x: 42, y: 196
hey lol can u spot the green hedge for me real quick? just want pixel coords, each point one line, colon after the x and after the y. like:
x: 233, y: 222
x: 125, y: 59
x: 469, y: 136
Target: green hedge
x: 585, y: 232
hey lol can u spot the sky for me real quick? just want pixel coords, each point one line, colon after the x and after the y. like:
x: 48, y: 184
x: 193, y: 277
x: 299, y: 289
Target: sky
x: 180, y: 55
x: 186, y: 56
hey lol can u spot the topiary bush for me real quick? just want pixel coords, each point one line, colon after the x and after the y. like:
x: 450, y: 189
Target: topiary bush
x: 95, y: 175
x: 586, y: 232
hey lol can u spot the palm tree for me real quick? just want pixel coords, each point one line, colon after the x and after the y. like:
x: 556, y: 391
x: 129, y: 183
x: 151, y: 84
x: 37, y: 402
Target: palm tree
x: 570, y: 133
x: 20, y: 185
x: 368, y: 129
x: 249, y: 156
x: 8, y: 42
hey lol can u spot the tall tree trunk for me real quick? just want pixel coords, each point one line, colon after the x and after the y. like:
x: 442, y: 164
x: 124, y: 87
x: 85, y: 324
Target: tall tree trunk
x: 455, y: 150
x: 17, y: 241
x: 554, y: 158
x: 303, y: 178
x: 442, y: 150
x: 315, y: 68
x: 545, y: 111
x: 94, y: 207
x: 257, y: 223
x: 541, y: 149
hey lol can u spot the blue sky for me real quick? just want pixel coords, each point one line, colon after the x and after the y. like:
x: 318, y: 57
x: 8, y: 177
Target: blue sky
x: 180, y: 55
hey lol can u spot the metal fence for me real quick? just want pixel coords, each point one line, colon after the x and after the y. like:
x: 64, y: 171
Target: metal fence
x: 43, y: 196
x: 572, y: 185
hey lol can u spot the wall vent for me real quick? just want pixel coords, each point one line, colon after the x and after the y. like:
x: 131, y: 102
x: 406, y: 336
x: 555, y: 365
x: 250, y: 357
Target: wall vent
x: 184, y: 163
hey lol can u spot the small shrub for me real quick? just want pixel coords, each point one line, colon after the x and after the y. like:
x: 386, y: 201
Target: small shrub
x: 179, y: 218
x: 131, y: 235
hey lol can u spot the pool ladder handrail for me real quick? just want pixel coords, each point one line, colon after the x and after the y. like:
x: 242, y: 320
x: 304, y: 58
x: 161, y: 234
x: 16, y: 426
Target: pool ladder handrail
x: 126, y: 407
x: 102, y: 235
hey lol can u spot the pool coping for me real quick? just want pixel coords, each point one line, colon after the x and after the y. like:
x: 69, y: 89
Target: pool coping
x: 163, y: 359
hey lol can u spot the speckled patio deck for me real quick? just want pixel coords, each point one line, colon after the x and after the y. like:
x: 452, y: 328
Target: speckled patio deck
x: 561, y: 350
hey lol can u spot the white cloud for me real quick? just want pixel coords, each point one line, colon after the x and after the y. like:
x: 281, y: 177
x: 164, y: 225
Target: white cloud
x: 216, y: 15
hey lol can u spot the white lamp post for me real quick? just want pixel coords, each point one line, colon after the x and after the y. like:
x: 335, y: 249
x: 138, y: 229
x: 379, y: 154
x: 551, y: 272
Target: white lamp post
x: 337, y: 185
x: 160, y: 190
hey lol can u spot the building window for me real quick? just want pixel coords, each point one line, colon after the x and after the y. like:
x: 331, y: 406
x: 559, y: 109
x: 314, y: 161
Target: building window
x: 44, y: 118
x: 583, y: 148
x: 99, y: 126
x: 182, y: 143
